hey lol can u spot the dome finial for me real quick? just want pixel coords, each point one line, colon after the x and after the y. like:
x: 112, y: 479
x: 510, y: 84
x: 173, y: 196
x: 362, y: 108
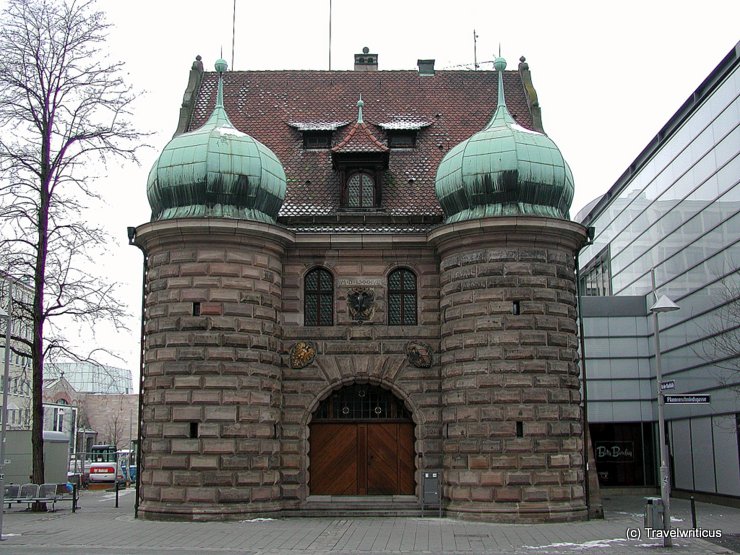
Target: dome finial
x: 221, y: 67
x: 360, y: 104
x: 500, y: 64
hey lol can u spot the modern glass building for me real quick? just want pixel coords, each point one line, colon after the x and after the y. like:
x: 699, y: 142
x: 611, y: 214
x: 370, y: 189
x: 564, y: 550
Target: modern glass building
x: 19, y: 369
x: 88, y: 377
x: 675, y: 211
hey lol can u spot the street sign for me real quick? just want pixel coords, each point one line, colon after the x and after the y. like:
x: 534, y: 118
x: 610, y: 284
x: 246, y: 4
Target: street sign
x: 686, y: 399
x: 669, y: 384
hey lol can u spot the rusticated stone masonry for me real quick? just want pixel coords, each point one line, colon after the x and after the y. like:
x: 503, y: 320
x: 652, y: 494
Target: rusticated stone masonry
x: 510, y: 389
x: 212, y: 390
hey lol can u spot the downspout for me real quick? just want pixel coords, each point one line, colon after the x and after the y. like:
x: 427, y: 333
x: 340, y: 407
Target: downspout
x: 132, y: 241
x: 582, y: 345
x: 584, y: 413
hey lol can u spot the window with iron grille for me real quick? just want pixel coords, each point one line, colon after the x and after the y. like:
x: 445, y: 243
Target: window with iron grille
x: 360, y: 190
x: 362, y: 402
x: 402, y: 298
x: 318, y: 291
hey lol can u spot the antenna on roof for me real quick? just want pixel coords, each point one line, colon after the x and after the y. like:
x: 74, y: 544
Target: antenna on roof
x: 233, y: 34
x: 475, y: 50
x: 329, y: 35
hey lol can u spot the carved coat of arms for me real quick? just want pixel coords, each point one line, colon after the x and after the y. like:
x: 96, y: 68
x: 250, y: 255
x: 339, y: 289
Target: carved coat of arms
x: 361, y: 304
x: 301, y: 354
x: 419, y: 354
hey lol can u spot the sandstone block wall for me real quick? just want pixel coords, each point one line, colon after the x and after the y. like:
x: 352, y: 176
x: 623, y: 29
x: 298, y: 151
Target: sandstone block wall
x: 212, y: 391
x: 349, y: 352
x: 510, y: 382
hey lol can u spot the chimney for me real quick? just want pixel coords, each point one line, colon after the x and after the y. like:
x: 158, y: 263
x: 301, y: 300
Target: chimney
x: 366, y: 61
x: 426, y: 67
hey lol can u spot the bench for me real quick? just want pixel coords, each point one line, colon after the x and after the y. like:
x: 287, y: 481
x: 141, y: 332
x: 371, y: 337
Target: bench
x: 45, y: 493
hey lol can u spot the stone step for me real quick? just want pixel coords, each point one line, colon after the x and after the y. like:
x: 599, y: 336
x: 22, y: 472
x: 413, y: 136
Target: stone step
x: 369, y: 505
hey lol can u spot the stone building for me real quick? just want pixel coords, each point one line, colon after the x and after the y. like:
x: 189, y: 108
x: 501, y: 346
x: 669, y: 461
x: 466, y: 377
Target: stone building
x: 353, y: 277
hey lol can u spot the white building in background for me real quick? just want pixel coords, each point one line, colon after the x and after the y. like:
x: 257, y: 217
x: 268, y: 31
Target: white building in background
x: 675, y: 210
x: 88, y: 377
x: 20, y: 370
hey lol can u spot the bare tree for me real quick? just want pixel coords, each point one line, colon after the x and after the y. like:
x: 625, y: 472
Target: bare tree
x: 114, y: 424
x: 65, y: 112
x: 722, y: 344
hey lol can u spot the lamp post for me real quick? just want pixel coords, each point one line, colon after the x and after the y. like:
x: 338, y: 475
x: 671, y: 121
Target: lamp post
x: 663, y: 304
x: 4, y: 411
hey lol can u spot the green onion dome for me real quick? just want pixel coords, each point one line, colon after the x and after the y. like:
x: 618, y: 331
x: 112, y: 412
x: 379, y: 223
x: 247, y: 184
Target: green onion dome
x: 504, y: 170
x: 216, y: 171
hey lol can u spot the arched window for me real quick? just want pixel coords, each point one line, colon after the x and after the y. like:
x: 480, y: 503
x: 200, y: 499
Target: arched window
x: 402, y: 298
x: 318, y: 304
x: 360, y: 190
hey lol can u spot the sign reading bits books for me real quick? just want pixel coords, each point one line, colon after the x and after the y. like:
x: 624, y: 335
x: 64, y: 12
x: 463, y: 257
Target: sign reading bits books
x: 687, y: 399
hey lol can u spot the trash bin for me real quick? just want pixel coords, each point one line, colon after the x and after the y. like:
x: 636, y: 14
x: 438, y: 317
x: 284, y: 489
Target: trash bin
x: 654, y: 513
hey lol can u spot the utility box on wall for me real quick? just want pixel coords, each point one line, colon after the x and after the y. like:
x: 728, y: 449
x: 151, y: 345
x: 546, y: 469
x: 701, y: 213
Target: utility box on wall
x: 431, y: 490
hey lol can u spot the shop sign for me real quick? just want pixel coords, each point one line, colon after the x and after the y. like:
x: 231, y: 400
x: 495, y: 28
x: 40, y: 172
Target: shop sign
x: 615, y: 451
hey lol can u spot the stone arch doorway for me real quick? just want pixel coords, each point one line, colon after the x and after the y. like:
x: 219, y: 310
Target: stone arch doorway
x: 362, y: 443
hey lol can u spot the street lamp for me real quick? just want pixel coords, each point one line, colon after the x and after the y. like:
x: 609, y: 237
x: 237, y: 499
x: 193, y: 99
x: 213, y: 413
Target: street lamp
x: 4, y: 412
x: 663, y: 304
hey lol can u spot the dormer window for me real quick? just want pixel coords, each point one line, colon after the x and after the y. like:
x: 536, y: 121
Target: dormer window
x: 317, y: 135
x: 402, y: 131
x: 360, y: 190
x: 316, y: 139
x: 402, y: 139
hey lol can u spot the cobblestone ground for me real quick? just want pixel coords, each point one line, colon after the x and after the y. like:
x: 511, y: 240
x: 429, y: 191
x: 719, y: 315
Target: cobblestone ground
x: 98, y: 527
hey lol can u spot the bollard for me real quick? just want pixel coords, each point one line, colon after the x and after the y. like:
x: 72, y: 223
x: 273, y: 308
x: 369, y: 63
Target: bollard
x: 117, y: 482
x: 693, y: 513
x: 74, y: 497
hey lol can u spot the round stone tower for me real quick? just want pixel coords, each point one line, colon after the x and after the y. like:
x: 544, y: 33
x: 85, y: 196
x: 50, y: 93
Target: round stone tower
x: 512, y: 431
x: 212, y: 381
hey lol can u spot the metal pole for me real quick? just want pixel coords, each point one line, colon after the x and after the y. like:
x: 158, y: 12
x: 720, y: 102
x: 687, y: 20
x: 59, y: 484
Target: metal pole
x: 665, y: 479
x: 6, y: 373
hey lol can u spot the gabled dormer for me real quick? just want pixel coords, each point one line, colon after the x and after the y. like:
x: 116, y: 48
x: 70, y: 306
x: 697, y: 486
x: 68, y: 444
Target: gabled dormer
x: 361, y: 160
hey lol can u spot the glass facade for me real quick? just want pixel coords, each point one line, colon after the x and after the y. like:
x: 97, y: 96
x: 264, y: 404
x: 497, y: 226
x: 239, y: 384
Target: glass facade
x: 678, y: 213
x: 87, y: 377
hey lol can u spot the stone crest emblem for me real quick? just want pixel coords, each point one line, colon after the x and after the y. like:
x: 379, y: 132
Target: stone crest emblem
x: 361, y: 304
x: 419, y: 354
x: 301, y: 354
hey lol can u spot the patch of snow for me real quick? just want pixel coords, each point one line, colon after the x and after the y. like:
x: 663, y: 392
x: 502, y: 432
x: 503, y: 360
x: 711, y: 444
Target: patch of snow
x: 317, y: 125
x: 675, y: 519
x: 518, y: 127
x: 230, y: 131
x: 579, y: 546
x: 260, y: 519
x: 405, y: 124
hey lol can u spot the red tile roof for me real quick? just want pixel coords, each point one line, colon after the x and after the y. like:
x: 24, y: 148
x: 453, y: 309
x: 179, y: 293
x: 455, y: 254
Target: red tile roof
x: 272, y: 106
x: 360, y: 139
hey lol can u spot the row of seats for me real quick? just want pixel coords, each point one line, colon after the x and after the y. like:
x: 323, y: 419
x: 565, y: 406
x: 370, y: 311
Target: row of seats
x: 44, y: 493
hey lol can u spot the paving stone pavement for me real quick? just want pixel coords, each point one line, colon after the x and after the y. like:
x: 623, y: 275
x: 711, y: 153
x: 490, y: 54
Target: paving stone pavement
x: 98, y: 527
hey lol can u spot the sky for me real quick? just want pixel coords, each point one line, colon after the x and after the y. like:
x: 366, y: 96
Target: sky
x: 608, y: 75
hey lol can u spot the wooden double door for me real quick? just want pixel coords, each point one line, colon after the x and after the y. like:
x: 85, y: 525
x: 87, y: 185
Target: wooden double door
x: 362, y: 458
